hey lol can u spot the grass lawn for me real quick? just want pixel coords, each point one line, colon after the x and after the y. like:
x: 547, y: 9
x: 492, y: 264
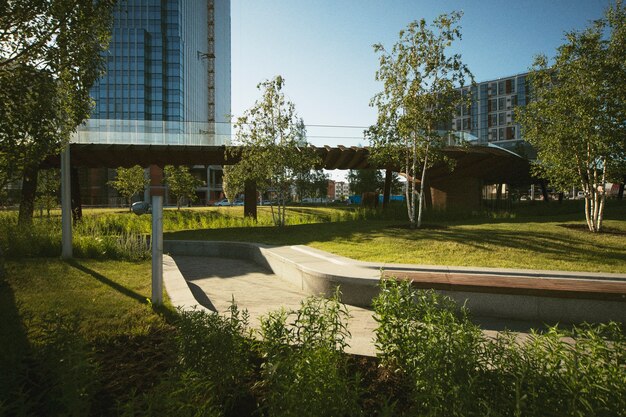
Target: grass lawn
x: 531, y: 240
x: 84, y: 326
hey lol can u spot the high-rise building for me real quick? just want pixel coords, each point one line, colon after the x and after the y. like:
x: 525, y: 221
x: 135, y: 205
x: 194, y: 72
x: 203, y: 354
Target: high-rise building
x: 167, y: 75
x: 167, y: 78
x: 490, y: 117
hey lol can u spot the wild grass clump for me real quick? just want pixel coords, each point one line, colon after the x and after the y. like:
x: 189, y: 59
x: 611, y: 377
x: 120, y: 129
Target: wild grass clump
x: 451, y: 369
x: 303, y: 371
x: 217, y: 351
x: 434, y: 345
x: 57, y: 375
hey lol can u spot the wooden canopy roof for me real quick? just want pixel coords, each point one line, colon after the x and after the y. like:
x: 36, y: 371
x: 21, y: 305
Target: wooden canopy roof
x: 489, y: 163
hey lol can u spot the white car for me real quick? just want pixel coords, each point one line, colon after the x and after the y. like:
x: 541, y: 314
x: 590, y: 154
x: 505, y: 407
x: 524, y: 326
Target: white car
x: 222, y: 202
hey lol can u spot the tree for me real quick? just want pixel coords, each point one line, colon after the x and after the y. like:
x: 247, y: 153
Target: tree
x: 50, y: 56
x: 181, y: 183
x: 129, y: 181
x: 272, y: 145
x: 233, y: 182
x: 365, y: 180
x: 419, y: 97
x: 48, y: 184
x: 313, y: 183
x: 577, y: 117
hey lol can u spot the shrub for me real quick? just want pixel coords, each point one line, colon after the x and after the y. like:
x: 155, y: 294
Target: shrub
x: 220, y: 349
x: 182, y: 395
x: 450, y: 369
x: 433, y: 344
x: 304, y: 372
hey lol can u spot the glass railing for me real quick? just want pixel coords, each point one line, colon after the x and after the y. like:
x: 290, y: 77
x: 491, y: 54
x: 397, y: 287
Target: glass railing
x: 148, y: 132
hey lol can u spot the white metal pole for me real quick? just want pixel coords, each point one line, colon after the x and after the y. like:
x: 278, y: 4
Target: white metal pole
x: 66, y: 204
x: 157, y: 249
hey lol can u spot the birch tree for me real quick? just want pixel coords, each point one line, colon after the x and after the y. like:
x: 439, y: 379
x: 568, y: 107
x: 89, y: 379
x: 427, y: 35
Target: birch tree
x: 577, y: 117
x: 270, y: 138
x: 420, y: 80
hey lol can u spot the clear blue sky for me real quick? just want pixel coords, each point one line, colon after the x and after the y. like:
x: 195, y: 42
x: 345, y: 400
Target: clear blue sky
x: 323, y: 48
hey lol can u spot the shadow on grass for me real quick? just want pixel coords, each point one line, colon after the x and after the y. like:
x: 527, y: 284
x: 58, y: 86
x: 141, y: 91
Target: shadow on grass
x: 17, y: 378
x: 165, y: 311
x: 572, y: 245
x: 106, y: 281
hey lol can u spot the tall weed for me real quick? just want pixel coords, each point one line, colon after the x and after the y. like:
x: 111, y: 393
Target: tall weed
x: 220, y: 349
x: 304, y: 372
x: 433, y: 344
x: 451, y: 369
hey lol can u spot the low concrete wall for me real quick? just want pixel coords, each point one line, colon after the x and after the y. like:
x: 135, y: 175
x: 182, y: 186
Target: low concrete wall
x: 359, y: 291
x: 354, y: 291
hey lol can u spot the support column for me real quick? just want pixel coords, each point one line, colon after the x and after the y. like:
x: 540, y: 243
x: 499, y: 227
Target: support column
x: 249, y: 200
x: 387, y: 189
x: 66, y: 204
x: 156, y: 193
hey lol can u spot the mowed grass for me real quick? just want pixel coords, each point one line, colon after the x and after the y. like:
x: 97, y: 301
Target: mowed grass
x: 112, y: 297
x: 552, y: 242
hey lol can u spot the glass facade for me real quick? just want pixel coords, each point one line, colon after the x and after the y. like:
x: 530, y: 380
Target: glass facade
x: 144, y: 66
x: 492, y: 111
x: 160, y: 80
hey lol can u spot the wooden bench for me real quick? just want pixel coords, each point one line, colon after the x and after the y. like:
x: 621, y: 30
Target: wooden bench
x: 594, y: 289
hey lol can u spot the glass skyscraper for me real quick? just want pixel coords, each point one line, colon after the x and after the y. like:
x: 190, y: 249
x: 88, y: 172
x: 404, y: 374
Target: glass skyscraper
x: 167, y: 82
x: 167, y: 75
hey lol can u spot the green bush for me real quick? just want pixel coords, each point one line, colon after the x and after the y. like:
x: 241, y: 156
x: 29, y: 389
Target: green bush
x: 56, y: 376
x: 303, y: 371
x: 451, y: 369
x: 433, y: 344
x: 186, y: 394
x: 220, y: 349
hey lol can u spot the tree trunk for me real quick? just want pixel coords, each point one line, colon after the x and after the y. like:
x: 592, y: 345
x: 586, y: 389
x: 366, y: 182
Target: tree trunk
x: 77, y: 204
x: 620, y: 193
x: 561, y: 197
x: 421, y: 201
x: 387, y: 189
x: 544, y: 192
x: 29, y: 189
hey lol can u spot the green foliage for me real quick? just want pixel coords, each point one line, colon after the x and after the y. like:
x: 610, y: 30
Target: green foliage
x: 365, y: 181
x: 418, y: 99
x: 433, y: 344
x: 48, y: 184
x: 451, y: 369
x: 50, y: 56
x: 185, y: 394
x: 129, y: 181
x: 182, y: 183
x: 218, y: 348
x: 233, y: 181
x: 57, y: 376
x: 304, y: 373
x: 272, y: 145
x: 577, y: 117
x: 311, y: 184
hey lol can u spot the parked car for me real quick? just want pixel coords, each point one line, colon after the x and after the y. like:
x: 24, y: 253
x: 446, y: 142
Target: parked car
x: 237, y: 203
x: 222, y: 202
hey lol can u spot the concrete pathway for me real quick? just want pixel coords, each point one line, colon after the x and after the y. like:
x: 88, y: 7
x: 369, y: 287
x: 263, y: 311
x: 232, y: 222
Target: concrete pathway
x: 214, y: 282
x: 210, y: 274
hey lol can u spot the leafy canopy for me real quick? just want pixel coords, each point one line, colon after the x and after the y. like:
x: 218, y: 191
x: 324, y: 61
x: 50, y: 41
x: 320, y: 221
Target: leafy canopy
x: 577, y: 117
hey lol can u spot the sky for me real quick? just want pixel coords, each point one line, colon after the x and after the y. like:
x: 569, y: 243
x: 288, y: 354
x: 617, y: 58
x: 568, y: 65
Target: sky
x: 323, y: 49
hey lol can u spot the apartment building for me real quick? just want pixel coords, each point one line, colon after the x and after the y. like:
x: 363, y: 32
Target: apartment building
x: 490, y: 117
